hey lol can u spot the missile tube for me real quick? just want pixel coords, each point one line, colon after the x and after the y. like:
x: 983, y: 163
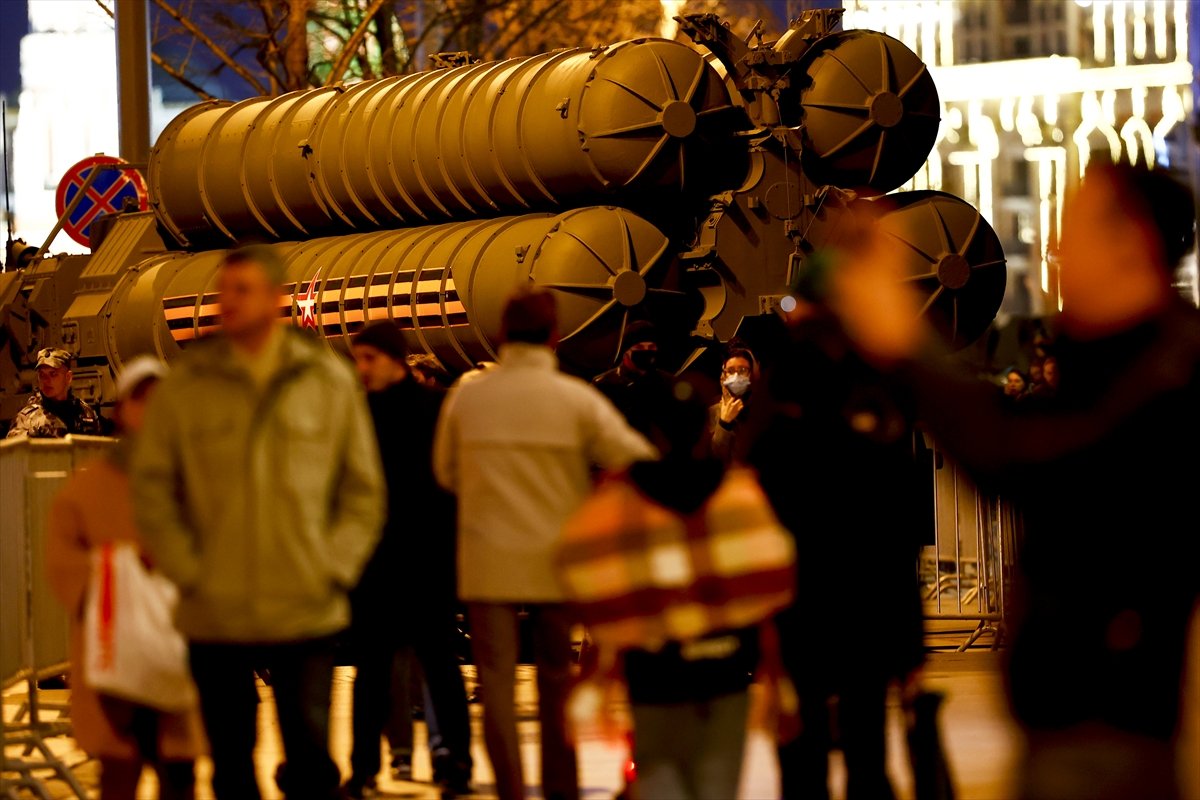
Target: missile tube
x: 544, y: 132
x: 444, y: 285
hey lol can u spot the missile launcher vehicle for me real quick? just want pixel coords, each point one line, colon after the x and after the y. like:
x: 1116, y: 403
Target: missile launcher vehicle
x: 650, y: 179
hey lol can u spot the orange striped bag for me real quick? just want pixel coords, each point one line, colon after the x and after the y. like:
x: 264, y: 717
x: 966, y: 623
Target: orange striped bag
x: 641, y: 574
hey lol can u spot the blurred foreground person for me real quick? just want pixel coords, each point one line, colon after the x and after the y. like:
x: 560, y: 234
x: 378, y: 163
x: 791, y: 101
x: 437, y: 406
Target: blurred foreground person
x: 516, y: 444
x: 94, y: 508
x: 689, y: 635
x: 258, y: 485
x: 405, y: 599
x: 833, y: 447
x: 634, y: 385
x: 1105, y: 478
x: 729, y: 415
x: 54, y: 410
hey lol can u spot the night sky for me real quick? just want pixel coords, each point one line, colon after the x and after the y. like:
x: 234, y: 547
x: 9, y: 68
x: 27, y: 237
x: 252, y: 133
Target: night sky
x: 14, y: 23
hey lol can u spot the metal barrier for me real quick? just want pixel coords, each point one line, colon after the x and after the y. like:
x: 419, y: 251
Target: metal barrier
x: 966, y: 574
x: 34, y: 632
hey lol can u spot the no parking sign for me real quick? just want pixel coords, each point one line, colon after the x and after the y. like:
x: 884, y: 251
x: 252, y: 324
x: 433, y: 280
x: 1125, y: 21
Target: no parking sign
x: 106, y: 194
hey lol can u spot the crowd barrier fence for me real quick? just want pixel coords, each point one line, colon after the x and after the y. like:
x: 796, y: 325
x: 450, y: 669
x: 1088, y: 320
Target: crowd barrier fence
x: 967, y: 573
x: 33, y: 626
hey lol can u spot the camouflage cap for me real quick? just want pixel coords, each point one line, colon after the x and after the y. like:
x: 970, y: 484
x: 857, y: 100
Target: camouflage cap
x: 53, y: 357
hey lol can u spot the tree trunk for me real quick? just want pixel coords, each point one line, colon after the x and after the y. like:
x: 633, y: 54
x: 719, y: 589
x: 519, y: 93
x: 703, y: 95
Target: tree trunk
x: 295, y: 45
x: 388, y: 46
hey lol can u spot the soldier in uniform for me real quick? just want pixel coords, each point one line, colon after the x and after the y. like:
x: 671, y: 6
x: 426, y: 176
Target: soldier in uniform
x: 53, y: 410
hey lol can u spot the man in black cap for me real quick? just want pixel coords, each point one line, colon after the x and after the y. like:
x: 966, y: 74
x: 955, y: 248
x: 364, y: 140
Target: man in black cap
x: 412, y: 571
x: 53, y: 410
x: 634, y: 385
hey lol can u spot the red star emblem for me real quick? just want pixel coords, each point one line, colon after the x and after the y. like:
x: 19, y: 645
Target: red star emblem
x: 307, y: 303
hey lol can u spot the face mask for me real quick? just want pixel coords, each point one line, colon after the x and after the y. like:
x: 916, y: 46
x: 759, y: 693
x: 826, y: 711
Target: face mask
x: 737, y: 385
x: 644, y: 359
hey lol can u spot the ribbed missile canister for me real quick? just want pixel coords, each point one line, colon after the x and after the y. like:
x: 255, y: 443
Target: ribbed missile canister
x: 444, y: 285
x: 870, y: 112
x: 542, y: 132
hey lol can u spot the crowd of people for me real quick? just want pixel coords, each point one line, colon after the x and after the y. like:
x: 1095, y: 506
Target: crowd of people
x: 1037, y: 386
x: 311, y: 511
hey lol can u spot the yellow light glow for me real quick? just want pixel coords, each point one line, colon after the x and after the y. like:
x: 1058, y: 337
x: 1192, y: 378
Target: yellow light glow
x: 1181, y: 30
x: 1172, y: 113
x: 929, y: 35
x: 1108, y: 106
x: 1007, y: 115
x: 1044, y: 173
x: 910, y: 33
x: 946, y: 30
x: 1028, y: 124
x: 977, y: 163
x: 1099, y: 37
x: 1050, y: 109
x: 1093, y: 121
x: 1052, y: 163
x: 667, y: 26
x: 1120, y: 32
x: 1160, y: 28
x: 1052, y: 75
x: 1060, y: 187
x: 1134, y: 130
x: 1139, y: 29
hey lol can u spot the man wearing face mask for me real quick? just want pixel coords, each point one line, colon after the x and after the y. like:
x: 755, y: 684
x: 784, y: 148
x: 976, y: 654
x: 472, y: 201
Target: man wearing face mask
x: 729, y: 414
x: 634, y: 384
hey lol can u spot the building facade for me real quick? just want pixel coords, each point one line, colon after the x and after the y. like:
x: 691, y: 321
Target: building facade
x: 1032, y: 91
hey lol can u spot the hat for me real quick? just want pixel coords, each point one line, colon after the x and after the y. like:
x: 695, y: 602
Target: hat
x: 53, y: 357
x: 639, y: 332
x: 384, y: 336
x: 137, y: 371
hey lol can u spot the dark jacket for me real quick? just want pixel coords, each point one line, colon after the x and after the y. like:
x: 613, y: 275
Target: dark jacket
x: 635, y: 396
x: 413, y: 565
x: 715, y: 665
x: 1106, y: 479
x: 833, y: 449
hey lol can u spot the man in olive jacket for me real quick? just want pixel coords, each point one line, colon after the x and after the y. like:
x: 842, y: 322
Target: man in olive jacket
x: 258, y: 484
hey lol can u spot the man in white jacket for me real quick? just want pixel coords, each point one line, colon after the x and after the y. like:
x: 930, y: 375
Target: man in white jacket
x: 517, y: 445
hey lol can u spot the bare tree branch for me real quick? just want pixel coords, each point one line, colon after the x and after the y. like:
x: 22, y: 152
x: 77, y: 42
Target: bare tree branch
x: 217, y: 50
x: 268, y: 51
x: 179, y: 76
x: 535, y: 21
x: 295, y: 45
x: 167, y: 68
x: 351, y: 45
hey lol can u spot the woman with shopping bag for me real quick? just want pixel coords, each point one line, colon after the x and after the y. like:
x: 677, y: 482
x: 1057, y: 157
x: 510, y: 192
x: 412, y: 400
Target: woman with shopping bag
x: 675, y: 565
x: 132, y: 703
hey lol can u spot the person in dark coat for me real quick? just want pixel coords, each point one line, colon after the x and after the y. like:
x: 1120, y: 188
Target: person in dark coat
x: 636, y: 385
x: 1105, y: 478
x: 833, y: 449
x: 406, y: 598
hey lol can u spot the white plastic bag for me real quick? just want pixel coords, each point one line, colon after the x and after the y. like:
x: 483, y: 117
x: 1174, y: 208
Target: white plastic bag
x: 131, y: 647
